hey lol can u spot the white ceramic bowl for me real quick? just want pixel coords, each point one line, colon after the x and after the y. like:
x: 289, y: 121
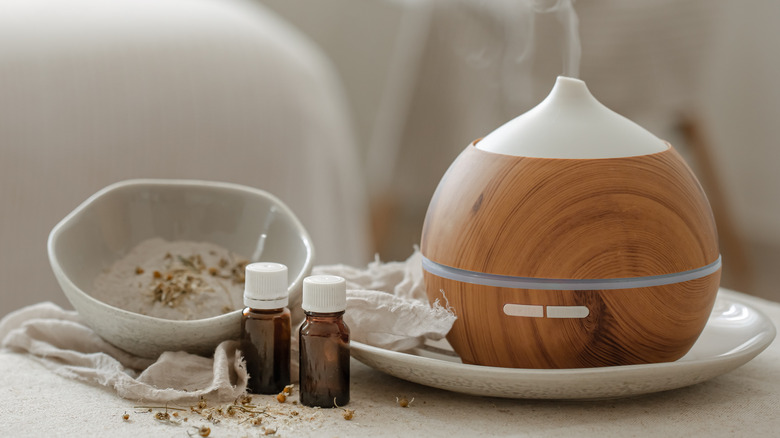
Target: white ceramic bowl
x: 111, y: 222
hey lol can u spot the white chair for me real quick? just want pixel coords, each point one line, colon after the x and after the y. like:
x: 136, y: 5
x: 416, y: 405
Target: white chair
x: 97, y: 91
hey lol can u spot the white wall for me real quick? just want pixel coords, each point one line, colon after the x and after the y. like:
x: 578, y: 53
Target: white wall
x: 743, y: 108
x: 742, y: 99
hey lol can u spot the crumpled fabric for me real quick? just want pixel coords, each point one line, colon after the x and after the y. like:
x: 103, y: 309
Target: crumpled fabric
x: 68, y: 347
x: 386, y: 307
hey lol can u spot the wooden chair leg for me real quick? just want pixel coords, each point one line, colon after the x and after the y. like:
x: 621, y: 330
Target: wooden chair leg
x: 384, y: 214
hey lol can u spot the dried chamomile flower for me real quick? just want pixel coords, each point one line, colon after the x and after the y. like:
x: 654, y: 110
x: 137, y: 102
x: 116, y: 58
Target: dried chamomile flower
x: 404, y: 402
x: 203, y: 431
x: 347, y: 414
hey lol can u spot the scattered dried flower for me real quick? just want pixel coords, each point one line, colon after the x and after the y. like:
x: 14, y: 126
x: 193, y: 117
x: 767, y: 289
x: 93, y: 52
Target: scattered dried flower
x: 404, y: 402
x: 240, y: 411
x: 188, y: 262
x: 185, y: 279
x: 203, y: 431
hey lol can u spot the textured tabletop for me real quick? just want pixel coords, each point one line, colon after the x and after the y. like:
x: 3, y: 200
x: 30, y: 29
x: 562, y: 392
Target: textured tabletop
x: 745, y: 402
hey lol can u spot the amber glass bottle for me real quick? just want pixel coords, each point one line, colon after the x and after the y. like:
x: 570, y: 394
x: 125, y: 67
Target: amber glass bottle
x: 265, y: 328
x: 324, y: 343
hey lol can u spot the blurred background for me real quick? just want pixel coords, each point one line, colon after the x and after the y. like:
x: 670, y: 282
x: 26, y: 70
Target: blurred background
x: 350, y: 111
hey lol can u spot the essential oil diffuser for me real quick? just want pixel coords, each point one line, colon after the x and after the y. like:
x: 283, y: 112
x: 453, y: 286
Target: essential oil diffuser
x: 571, y: 237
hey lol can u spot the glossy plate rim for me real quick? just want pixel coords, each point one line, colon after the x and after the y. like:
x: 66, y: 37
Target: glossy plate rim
x: 572, y: 384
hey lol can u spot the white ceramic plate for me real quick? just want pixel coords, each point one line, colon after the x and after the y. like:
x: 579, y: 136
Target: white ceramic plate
x: 735, y: 334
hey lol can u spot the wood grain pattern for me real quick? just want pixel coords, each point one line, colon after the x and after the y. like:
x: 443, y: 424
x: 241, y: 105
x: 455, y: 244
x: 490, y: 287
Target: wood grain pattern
x: 572, y: 219
x: 624, y: 327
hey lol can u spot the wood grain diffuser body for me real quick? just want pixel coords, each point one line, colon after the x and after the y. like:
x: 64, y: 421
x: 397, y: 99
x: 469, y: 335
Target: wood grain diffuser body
x: 571, y: 237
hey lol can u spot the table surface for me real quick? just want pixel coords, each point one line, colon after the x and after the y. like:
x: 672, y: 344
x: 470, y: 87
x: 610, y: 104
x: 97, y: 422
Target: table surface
x: 746, y: 402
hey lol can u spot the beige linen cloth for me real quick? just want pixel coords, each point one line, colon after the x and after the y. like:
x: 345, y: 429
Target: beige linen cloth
x: 386, y: 307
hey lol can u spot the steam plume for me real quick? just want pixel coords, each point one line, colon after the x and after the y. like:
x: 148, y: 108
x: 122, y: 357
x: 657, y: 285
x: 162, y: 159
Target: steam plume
x: 518, y: 19
x: 567, y: 17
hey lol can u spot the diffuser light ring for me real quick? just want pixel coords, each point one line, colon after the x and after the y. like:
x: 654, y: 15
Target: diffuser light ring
x: 485, y: 279
x: 497, y: 326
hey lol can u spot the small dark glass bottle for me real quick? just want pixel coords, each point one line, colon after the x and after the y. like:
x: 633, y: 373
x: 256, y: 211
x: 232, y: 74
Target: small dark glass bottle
x: 324, y: 343
x: 265, y: 328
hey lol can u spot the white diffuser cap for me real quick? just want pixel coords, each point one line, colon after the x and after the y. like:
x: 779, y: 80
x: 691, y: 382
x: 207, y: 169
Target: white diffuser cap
x: 571, y: 123
x: 265, y: 286
x: 324, y: 294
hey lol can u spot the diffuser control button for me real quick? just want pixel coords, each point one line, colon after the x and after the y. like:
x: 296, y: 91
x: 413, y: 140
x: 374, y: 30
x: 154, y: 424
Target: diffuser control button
x: 567, y: 311
x: 524, y: 310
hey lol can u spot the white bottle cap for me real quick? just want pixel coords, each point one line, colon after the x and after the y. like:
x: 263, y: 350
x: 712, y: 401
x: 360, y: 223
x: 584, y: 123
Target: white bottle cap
x: 265, y: 286
x: 324, y: 294
x: 571, y: 123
